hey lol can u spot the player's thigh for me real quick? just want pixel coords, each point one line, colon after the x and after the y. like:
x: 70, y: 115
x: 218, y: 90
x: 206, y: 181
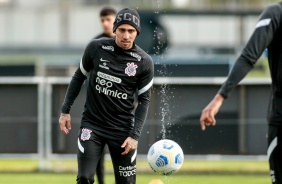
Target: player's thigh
x: 124, y: 165
x: 90, y: 148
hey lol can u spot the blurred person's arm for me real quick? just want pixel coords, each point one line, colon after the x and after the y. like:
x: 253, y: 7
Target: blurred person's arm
x: 269, y: 22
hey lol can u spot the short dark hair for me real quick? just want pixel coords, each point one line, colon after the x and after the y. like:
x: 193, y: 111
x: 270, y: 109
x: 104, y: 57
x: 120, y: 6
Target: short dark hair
x: 107, y: 11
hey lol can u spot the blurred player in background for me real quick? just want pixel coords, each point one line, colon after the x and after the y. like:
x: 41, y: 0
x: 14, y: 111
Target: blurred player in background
x: 268, y: 34
x: 116, y: 68
x: 107, y: 18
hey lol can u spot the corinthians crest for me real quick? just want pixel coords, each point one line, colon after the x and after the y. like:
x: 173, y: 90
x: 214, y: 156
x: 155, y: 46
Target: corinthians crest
x: 130, y: 70
x: 86, y: 134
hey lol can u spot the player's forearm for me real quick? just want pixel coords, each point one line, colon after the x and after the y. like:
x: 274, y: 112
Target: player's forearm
x: 73, y: 91
x: 238, y: 72
x: 140, y: 114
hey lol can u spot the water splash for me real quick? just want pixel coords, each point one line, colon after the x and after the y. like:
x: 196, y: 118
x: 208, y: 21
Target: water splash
x: 165, y: 93
x: 165, y: 109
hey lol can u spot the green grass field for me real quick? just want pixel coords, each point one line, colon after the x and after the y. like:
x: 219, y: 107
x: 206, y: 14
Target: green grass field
x: 68, y: 178
x: 193, y: 171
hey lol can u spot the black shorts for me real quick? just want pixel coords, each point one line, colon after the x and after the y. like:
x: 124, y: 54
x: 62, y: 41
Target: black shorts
x: 274, y: 153
x: 90, y: 149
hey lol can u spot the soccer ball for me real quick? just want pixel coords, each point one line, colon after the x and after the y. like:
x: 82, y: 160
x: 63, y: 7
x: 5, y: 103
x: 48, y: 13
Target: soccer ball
x: 165, y: 157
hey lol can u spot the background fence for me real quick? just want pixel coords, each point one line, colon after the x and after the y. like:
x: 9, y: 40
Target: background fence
x: 30, y: 108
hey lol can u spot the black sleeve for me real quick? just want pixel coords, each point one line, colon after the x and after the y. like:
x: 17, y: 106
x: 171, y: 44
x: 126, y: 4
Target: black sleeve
x: 266, y: 27
x: 144, y: 93
x: 73, y: 90
x: 141, y: 114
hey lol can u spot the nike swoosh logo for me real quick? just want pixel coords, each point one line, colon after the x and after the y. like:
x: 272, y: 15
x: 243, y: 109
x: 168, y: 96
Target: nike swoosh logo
x: 103, y: 60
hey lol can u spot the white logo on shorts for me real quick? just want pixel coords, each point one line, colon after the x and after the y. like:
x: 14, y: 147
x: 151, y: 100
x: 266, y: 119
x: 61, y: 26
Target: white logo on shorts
x: 86, y: 134
x: 127, y: 171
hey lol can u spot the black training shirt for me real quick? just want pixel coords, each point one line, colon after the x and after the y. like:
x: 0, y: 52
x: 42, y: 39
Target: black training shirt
x: 114, y: 76
x: 268, y: 34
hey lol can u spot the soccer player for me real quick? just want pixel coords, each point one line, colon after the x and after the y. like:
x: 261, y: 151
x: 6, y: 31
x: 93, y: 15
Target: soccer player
x: 107, y: 18
x: 116, y: 68
x: 267, y: 34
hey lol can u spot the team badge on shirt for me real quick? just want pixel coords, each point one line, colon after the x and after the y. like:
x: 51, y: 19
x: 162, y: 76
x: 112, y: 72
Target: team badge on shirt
x: 130, y: 70
x: 86, y: 134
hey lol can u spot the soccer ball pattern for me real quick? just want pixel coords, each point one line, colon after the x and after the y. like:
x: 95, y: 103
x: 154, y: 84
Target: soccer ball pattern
x: 165, y: 157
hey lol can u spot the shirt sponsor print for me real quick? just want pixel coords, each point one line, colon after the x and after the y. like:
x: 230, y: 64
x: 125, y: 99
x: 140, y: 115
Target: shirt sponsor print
x: 111, y: 48
x: 104, y: 84
x: 109, y: 77
x: 137, y: 56
x: 104, y: 65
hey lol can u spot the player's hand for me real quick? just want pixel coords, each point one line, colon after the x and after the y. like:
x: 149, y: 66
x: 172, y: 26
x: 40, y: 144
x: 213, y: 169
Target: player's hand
x: 129, y: 144
x: 65, y: 123
x: 207, y: 117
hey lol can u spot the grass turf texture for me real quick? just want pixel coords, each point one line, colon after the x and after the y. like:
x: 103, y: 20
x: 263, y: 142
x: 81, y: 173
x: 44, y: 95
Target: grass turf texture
x: 193, y: 171
x: 189, y: 166
x: 67, y: 178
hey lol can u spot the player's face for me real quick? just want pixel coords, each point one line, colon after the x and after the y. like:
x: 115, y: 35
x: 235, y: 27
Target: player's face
x: 107, y: 23
x: 125, y: 36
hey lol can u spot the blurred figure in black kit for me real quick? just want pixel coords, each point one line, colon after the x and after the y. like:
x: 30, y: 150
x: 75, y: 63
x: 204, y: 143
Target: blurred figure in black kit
x: 107, y: 18
x: 267, y: 35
